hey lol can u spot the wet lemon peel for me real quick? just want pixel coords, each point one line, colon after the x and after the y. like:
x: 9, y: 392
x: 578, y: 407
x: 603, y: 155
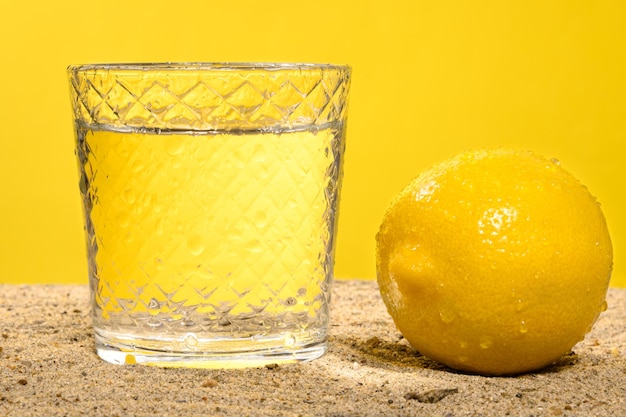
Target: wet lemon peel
x: 495, y: 261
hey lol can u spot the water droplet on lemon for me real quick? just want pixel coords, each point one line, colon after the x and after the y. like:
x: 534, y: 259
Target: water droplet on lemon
x: 485, y: 342
x: 446, y: 316
x: 523, y: 327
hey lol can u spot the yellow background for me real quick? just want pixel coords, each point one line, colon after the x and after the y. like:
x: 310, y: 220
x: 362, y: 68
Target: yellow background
x: 431, y: 78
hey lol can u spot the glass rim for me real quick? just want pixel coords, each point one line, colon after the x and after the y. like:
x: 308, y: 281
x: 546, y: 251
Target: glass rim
x: 207, y: 66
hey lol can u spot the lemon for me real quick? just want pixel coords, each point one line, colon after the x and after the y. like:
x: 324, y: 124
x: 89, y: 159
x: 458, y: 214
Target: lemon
x: 494, y: 262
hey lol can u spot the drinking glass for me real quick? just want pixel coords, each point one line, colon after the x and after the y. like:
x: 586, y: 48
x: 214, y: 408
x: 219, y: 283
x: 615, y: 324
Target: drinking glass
x: 210, y: 195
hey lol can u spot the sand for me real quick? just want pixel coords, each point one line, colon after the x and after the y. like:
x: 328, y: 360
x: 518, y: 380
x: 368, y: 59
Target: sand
x: 48, y: 367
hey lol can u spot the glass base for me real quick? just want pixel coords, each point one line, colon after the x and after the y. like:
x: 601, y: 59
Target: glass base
x: 214, y: 353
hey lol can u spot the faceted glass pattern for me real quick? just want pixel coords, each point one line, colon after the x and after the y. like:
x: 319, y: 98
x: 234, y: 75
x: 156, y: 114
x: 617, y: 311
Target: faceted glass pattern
x: 198, y: 96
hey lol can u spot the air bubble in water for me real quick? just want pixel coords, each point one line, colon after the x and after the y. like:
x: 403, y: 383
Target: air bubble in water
x: 158, y: 264
x: 290, y: 340
x: 195, y: 245
x: 174, y: 146
x: 260, y: 154
x: 254, y: 246
x: 191, y: 340
x: 129, y: 196
x: 260, y: 219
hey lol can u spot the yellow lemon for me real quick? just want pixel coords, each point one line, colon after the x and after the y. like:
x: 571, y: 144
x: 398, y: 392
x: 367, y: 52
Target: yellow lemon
x: 494, y: 262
